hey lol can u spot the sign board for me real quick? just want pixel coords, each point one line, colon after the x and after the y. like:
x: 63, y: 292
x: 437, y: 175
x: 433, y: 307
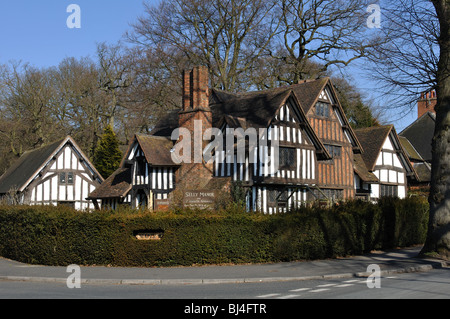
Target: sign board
x: 202, y: 199
x: 162, y: 204
x: 149, y: 236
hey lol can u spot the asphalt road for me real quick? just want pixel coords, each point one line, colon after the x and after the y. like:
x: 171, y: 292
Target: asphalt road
x: 433, y: 284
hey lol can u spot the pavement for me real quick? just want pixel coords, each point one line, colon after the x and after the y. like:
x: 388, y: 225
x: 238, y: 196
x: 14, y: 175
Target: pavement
x: 390, y: 262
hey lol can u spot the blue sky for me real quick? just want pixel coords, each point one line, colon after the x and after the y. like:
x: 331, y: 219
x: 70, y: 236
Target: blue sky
x: 35, y: 32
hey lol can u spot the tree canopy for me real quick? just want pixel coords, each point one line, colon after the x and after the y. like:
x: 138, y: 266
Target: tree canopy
x: 107, y: 155
x: 246, y: 45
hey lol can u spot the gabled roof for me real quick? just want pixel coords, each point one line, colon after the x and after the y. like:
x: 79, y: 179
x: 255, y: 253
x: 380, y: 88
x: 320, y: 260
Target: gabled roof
x: 422, y: 168
x: 361, y: 170
x: 157, y: 152
x: 373, y: 138
x: 423, y: 171
x: 410, y: 150
x: 28, y: 166
x: 156, y: 149
x: 258, y: 108
x: 116, y: 185
x: 309, y: 93
x: 420, y: 134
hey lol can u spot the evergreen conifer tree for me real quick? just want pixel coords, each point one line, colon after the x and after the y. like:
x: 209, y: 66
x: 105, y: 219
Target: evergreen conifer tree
x: 107, y: 155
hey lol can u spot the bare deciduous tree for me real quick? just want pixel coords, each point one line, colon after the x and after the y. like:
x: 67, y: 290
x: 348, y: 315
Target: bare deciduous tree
x: 415, y: 59
x: 226, y: 36
x: 329, y: 32
x: 438, y: 239
x: 406, y: 64
x: 27, y: 98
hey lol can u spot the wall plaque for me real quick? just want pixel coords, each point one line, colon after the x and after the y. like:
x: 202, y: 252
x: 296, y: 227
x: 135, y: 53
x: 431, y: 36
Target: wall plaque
x: 149, y: 235
x: 202, y: 199
x: 162, y: 204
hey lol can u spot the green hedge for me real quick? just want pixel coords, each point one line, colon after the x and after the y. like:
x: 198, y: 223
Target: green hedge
x: 61, y: 236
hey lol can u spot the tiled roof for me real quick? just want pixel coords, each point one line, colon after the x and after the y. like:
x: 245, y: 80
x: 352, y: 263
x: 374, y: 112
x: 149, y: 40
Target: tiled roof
x: 362, y: 171
x: 372, y: 139
x: 27, y: 165
x: 256, y: 108
x: 409, y: 149
x: 420, y: 134
x: 157, y: 153
x: 31, y: 162
x: 116, y: 185
x: 156, y: 149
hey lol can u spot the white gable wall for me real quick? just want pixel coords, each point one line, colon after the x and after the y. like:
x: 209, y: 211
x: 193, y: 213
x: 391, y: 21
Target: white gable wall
x: 389, y: 171
x: 66, y: 179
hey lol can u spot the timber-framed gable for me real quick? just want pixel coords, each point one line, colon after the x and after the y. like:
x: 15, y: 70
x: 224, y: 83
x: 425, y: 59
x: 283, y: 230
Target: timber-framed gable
x: 56, y: 174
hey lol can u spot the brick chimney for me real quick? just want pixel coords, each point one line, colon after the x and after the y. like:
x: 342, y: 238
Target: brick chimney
x: 195, y: 98
x: 195, y: 111
x: 426, y: 103
x: 195, y: 89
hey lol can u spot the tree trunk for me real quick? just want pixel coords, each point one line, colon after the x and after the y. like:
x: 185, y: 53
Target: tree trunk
x: 438, y: 237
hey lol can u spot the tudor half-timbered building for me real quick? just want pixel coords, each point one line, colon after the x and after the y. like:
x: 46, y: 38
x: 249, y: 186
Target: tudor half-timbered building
x: 275, y: 181
x: 315, y: 142
x: 145, y: 178
x: 327, y: 118
x: 386, y: 159
x: 56, y: 174
x: 319, y: 155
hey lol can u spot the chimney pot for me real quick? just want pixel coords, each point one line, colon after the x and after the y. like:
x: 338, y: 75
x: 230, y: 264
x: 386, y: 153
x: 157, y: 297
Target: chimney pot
x: 426, y: 103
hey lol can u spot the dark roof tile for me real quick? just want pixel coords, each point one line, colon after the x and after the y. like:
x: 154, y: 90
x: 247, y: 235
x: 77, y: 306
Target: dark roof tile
x: 420, y: 134
x: 117, y: 185
x: 372, y: 139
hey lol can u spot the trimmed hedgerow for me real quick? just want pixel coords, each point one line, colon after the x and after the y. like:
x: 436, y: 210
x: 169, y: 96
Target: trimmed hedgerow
x: 62, y: 236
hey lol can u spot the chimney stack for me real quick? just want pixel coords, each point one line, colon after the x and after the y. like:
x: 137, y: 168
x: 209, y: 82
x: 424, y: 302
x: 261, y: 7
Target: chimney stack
x: 195, y: 89
x: 426, y: 103
x: 196, y: 117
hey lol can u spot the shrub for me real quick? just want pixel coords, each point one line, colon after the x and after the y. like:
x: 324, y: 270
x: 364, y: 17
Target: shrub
x: 62, y: 236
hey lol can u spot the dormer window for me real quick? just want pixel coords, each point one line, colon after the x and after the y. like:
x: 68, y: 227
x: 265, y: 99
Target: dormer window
x: 323, y: 109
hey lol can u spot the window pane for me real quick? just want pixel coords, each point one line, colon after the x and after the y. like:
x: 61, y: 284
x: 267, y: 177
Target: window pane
x: 389, y: 190
x: 286, y: 157
x: 272, y: 196
x: 62, y: 178
x: 334, y: 150
x: 70, y: 178
x: 322, y: 109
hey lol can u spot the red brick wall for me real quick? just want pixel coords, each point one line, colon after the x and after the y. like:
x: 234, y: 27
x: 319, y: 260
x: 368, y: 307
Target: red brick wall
x: 426, y: 103
x: 195, y: 107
